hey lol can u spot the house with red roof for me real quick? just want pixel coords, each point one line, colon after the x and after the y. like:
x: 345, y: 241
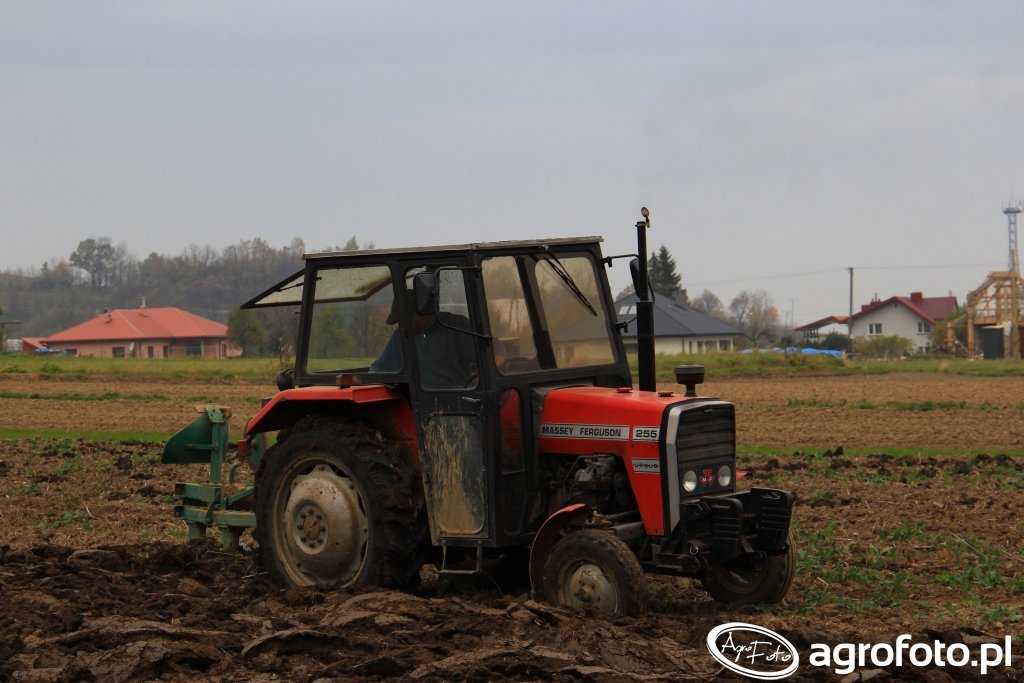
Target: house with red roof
x: 31, y: 344
x: 145, y: 333
x: 910, y: 317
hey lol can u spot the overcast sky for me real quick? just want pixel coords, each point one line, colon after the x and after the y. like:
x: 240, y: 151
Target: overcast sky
x: 776, y: 143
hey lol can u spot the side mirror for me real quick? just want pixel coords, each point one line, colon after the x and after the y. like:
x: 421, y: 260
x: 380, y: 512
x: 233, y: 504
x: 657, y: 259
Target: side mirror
x: 424, y: 286
x: 634, y: 272
x: 285, y: 379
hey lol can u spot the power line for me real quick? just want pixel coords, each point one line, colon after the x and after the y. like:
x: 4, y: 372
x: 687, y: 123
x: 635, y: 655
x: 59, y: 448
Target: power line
x: 958, y: 265
x: 766, y: 277
x: 761, y: 278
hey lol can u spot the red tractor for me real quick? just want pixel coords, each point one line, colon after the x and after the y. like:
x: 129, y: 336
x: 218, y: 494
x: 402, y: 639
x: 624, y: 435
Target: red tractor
x: 455, y: 404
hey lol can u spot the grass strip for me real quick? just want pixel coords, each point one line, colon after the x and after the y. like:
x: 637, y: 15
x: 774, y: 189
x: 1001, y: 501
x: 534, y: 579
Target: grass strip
x: 18, y: 434
x: 206, y: 369
x: 913, y: 406
x: 74, y: 396
x: 755, y: 450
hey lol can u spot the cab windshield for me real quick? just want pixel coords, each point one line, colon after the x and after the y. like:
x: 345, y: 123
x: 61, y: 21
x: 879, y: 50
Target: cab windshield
x: 546, y: 313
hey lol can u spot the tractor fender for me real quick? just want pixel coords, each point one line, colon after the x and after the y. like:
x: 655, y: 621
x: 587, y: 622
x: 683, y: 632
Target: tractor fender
x: 290, y: 405
x: 545, y: 539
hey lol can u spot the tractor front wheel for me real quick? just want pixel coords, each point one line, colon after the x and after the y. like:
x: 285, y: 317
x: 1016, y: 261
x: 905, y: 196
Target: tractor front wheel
x: 336, y: 506
x: 595, y: 571
x: 767, y: 582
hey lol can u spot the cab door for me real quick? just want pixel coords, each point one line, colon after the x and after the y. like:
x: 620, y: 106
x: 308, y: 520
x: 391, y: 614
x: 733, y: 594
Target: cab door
x: 450, y: 406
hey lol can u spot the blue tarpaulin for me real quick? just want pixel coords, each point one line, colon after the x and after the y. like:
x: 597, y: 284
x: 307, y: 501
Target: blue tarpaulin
x: 793, y: 349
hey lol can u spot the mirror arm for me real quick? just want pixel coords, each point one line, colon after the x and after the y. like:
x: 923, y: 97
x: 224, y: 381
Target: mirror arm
x: 624, y: 325
x: 607, y: 260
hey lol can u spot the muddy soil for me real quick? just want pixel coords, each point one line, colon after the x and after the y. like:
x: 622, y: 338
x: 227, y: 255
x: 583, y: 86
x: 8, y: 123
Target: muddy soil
x: 97, y: 582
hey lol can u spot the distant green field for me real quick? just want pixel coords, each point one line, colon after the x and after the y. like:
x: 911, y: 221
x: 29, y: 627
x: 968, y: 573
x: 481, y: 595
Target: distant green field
x: 771, y: 364
x: 255, y: 369
x: 89, y: 434
x: 768, y: 364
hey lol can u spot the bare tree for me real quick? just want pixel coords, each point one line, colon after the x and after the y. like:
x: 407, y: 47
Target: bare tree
x: 755, y: 314
x: 707, y: 302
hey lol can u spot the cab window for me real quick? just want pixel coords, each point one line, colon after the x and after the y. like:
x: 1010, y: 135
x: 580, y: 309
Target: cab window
x: 349, y: 325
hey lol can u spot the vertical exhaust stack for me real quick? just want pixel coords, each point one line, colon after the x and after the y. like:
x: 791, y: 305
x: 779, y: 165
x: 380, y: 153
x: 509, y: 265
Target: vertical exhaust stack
x: 644, y: 308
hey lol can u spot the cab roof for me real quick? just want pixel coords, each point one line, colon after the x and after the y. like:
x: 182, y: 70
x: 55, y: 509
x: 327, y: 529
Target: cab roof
x: 288, y: 292
x: 474, y: 246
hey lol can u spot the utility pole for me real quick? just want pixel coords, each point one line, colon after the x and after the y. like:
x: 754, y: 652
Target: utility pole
x: 849, y: 321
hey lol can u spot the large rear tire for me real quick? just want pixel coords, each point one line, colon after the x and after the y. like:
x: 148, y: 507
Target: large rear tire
x: 594, y: 571
x: 766, y: 583
x: 336, y: 505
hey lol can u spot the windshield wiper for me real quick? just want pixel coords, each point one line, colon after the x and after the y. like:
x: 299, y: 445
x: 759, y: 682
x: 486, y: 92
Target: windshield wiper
x: 560, y: 270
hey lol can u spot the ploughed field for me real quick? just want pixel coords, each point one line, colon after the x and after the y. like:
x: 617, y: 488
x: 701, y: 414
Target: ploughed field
x: 910, y: 495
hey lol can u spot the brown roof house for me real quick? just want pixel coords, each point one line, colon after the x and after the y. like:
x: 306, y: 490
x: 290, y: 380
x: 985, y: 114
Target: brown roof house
x: 145, y: 333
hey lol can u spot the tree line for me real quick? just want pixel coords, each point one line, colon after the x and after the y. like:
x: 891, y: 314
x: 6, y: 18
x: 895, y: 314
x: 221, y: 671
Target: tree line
x: 100, y: 275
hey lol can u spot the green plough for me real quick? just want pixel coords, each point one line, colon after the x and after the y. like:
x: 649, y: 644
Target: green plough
x: 206, y: 504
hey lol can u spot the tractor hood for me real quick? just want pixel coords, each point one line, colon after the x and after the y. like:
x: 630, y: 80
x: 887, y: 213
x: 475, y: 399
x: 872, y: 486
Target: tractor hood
x: 584, y: 420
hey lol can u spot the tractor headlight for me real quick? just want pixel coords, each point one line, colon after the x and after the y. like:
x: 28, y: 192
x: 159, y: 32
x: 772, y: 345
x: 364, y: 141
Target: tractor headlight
x: 690, y: 481
x: 724, y: 475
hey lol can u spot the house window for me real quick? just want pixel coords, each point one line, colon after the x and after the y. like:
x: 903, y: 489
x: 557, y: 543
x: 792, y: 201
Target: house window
x: 194, y: 350
x: 117, y: 352
x: 924, y: 328
x: 723, y: 344
x: 874, y: 328
x: 149, y: 352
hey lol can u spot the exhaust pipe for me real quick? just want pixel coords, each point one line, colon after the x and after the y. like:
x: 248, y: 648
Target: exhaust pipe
x: 644, y: 307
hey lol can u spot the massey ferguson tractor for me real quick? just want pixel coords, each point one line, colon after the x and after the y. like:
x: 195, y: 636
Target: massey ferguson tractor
x: 459, y: 403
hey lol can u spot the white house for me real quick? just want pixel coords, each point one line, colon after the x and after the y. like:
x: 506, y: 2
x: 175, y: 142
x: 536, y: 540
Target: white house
x: 910, y: 317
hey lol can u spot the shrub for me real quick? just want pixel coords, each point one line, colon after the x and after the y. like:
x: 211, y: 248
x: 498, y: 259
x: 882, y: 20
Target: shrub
x: 884, y: 347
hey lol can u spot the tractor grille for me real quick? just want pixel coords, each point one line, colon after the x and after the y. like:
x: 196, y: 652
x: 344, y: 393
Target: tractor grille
x: 707, y: 434
x: 705, y: 442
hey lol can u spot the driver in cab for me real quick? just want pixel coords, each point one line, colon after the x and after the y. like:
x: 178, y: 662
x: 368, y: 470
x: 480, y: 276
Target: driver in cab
x: 445, y: 353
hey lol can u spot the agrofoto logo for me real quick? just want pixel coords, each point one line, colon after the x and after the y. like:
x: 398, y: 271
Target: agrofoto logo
x: 763, y: 654
x: 753, y: 651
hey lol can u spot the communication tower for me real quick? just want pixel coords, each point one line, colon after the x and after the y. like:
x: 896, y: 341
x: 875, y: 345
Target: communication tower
x: 1011, y: 212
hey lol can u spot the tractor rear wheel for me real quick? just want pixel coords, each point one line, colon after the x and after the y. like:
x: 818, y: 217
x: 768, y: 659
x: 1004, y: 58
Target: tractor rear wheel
x: 337, y: 506
x: 766, y: 583
x: 595, y: 571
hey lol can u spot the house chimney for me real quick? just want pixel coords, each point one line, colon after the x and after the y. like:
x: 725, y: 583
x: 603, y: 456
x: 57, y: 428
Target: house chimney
x: 917, y: 297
